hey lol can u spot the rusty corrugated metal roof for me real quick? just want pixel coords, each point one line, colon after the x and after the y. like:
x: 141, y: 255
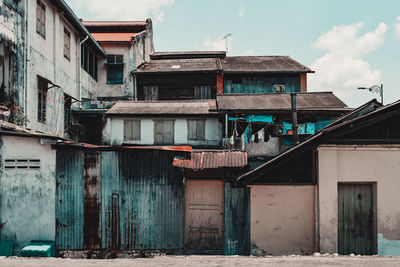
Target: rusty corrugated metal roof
x: 274, y: 64
x: 213, y: 160
x: 180, y: 65
x: 194, y: 107
x: 279, y: 101
x: 124, y: 147
x: 114, y: 37
x: 7, y: 128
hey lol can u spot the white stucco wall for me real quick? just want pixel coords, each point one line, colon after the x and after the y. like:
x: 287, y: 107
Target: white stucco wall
x: 114, y: 131
x: 46, y: 58
x: 379, y: 164
x: 27, y: 196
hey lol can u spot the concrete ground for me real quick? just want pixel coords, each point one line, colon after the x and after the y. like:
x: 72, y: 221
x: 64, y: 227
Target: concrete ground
x: 211, y: 261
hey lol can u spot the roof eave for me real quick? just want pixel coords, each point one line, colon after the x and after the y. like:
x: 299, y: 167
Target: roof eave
x: 78, y: 24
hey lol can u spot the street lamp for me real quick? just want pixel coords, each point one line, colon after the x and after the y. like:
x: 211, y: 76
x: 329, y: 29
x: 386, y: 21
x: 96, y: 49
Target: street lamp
x: 375, y: 89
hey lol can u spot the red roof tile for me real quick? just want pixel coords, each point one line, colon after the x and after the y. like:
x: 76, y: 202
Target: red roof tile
x: 114, y: 37
x: 213, y: 160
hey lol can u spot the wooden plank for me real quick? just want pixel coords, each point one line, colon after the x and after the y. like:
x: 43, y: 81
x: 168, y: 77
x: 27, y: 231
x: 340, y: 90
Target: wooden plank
x: 204, y: 208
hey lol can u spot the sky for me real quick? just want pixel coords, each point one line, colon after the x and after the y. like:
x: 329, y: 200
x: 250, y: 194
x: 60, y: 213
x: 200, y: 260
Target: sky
x: 349, y: 44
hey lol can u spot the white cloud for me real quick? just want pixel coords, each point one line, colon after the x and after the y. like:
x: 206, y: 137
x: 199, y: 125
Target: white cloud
x: 397, y: 27
x: 241, y: 12
x: 218, y: 44
x: 122, y: 9
x: 342, y: 69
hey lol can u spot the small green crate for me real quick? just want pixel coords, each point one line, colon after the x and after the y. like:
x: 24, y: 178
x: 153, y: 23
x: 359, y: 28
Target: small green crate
x: 39, y: 248
x: 6, y: 248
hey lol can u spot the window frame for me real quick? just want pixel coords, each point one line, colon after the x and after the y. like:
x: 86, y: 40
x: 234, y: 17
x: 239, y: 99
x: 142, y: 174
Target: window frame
x: 41, y: 18
x: 198, y: 137
x: 126, y: 138
x: 115, y: 64
x: 164, y: 141
x: 67, y: 44
x: 42, y: 99
x: 90, y: 66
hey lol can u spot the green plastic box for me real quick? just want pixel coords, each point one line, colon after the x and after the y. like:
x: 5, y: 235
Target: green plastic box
x: 39, y: 248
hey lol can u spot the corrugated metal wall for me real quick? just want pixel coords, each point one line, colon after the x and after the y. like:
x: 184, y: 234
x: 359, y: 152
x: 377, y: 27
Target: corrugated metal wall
x: 69, y: 200
x: 142, y: 200
x: 237, y: 220
x: 143, y: 205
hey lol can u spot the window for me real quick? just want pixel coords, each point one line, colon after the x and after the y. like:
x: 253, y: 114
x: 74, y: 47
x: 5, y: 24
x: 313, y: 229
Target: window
x: 22, y: 164
x: 41, y: 18
x: 115, y: 69
x: 150, y: 92
x: 89, y: 61
x: 196, y: 129
x: 67, y: 44
x: 202, y: 92
x: 42, y: 99
x: 131, y: 130
x: 164, y: 132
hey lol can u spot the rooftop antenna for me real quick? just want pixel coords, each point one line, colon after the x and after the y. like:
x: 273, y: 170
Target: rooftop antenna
x: 226, y: 41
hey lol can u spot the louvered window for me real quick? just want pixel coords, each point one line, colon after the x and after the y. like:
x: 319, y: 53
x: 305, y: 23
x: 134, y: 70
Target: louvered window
x: 196, y: 129
x: 67, y: 44
x: 131, y: 130
x: 41, y: 18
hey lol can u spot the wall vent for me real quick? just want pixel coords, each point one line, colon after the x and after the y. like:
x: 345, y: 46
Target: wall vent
x: 22, y: 164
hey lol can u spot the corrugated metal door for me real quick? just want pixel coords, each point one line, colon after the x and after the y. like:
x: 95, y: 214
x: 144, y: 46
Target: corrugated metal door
x: 69, y: 200
x: 204, y: 206
x: 356, y: 225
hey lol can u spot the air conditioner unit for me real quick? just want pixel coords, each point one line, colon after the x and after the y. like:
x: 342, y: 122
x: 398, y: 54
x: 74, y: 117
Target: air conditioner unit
x: 279, y: 88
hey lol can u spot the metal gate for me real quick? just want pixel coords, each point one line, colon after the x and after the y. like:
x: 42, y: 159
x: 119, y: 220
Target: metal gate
x: 356, y: 219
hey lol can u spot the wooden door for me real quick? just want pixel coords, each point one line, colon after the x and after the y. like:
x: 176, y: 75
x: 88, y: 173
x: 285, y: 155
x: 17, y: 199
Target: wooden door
x: 356, y: 219
x: 204, y: 216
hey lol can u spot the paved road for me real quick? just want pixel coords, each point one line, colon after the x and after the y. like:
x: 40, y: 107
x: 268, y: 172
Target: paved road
x: 212, y: 261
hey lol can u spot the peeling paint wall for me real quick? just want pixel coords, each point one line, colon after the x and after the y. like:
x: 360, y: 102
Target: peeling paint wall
x: 134, y: 54
x: 282, y: 219
x: 46, y: 59
x: 376, y: 163
x: 12, y: 49
x: 27, y: 196
x: 113, y: 132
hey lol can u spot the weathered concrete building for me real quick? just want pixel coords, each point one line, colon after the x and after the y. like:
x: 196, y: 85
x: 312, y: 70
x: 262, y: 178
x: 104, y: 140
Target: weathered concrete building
x: 27, y: 185
x: 343, y: 179
x: 13, y: 59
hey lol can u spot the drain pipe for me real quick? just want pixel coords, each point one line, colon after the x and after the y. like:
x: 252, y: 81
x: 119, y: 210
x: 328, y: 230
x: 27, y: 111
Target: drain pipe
x: 80, y: 68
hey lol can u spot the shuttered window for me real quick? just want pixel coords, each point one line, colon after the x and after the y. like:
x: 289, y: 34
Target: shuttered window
x: 67, y: 44
x: 131, y: 130
x: 150, y: 92
x: 164, y: 132
x: 196, y: 129
x: 41, y: 18
x: 202, y: 92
